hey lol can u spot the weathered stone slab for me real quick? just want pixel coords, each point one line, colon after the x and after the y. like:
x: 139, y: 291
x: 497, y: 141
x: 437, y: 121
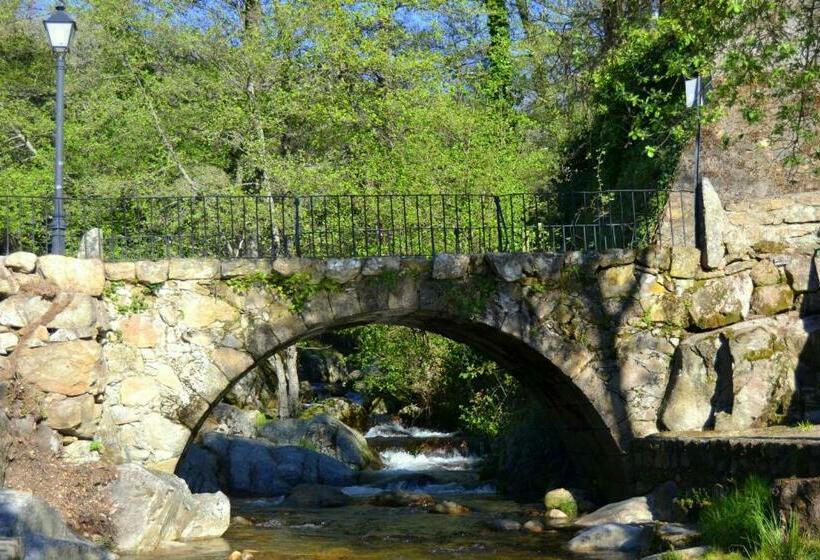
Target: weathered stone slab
x: 721, y: 301
x: 121, y: 271
x: 447, y: 266
x: 141, y: 331
x: 69, y: 368
x: 714, y: 226
x: 193, y: 269
x: 152, y: 272
x: 342, y: 270
x: 772, y: 299
x: 84, y: 276
x: 685, y: 262
x: 21, y: 261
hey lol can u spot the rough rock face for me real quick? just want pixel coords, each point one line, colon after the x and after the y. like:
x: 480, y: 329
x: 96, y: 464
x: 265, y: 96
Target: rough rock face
x: 257, y: 468
x: 153, y: 509
x: 612, y: 536
x: 316, y: 496
x: 801, y: 497
x: 328, y: 436
x: 737, y: 377
x: 233, y: 421
x: 43, y: 533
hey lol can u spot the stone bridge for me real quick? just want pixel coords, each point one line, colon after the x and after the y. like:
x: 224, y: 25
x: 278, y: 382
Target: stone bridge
x: 618, y: 345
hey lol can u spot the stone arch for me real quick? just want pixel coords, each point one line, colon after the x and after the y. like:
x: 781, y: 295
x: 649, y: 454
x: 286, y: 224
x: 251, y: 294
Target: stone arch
x: 498, y: 322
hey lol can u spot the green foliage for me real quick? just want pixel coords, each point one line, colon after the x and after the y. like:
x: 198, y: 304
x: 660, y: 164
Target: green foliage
x: 96, y: 446
x: 805, y: 426
x: 468, y: 298
x: 452, y: 385
x: 784, y: 543
x: 297, y: 288
x: 260, y: 419
x: 733, y: 521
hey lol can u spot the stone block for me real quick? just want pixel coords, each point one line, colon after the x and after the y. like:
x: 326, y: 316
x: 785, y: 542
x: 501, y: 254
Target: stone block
x: 200, y: 311
x: 655, y: 257
x: 69, y: 368
x: 21, y: 310
x: 232, y: 363
x: 714, y: 226
x: 507, y: 266
x: 765, y: 273
x: 769, y: 300
x: 152, y: 272
x: 71, y: 415
x: 618, y: 281
x: 374, y: 266
x: 232, y: 268
x: 448, y: 266
x: 91, y: 245
x: 342, y: 270
x: 22, y: 261
x: 138, y: 390
x: 85, y: 276
x: 81, y: 312
x: 8, y: 284
x: 802, y: 273
x: 721, y: 301
x: 120, y: 271
x: 193, y: 269
x: 141, y: 331
x: 685, y: 262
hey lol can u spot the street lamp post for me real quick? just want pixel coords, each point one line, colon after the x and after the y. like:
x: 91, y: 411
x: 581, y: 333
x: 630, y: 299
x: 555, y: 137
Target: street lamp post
x: 60, y: 28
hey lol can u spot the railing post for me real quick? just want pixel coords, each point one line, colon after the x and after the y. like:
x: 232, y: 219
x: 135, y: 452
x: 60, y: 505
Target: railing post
x: 297, y: 229
x: 499, y: 223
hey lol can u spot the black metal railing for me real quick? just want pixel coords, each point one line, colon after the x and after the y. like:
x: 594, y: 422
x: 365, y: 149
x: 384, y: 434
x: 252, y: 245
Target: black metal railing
x: 343, y: 225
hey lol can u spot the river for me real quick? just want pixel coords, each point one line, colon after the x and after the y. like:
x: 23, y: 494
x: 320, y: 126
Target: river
x: 416, y: 461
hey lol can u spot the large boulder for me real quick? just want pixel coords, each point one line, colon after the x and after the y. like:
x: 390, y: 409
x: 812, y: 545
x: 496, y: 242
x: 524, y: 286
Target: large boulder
x: 153, y: 509
x: 199, y: 469
x: 233, y: 421
x: 799, y: 497
x: 736, y: 377
x: 345, y: 410
x: 326, y: 435
x: 43, y: 533
x: 656, y: 506
x: 248, y: 467
x: 613, y: 537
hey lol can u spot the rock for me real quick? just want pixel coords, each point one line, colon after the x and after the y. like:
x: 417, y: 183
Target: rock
x: 346, y: 411
x: 69, y: 368
x: 21, y: 310
x: 199, y: 469
x: 43, y: 533
x: 447, y: 266
x: 612, y: 536
x: 141, y: 331
x: 685, y: 262
x: 799, y: 497
x: 714, y: 225
x: 802, y: 273
x: 239, y: 461
x: 632, y: 510
x: 765, y: 273
x: 6, y: 440
x: 375, y: 266
x: 681, y: 554
x: 200, y: 311
x: 533, y: 526
x: 327, y: 436
x: 676, y: 535
x: 91, y: 245
x: 239, y: 521
x: 400, y: 498
x: 21, y: 261
x: 562, y: 500
x: 557, y: 514
x: 8, y: 342
x: 150, y: 272
x: 80, y: 313
x: 617, y: 281
x: 449, y: 508
x: 655, y: 257
x: 84, y: 276
x: 153, y: 509
x: 233, y: 421
x: 78, y: 452
x: 193, y: 269
x: 138, y: 390
x: 120, y: 271
x: 8, y: 284
x: 507, y: 266
x: 71, y: 415
x: 316, y: 496
x: 721, y: 301
x: 504, y: 525
x: 769, y: 300
x: 342, y: 271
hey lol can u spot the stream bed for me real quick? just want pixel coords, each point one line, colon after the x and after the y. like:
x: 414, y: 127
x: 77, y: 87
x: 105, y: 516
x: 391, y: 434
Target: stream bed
x: 417, y: 461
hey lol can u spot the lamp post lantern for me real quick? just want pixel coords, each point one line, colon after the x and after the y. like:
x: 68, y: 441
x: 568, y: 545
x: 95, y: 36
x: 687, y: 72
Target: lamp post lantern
x: 60, y: 28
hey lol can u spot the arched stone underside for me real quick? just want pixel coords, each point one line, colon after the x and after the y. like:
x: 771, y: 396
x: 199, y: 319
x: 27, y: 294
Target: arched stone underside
x: 552, y: 322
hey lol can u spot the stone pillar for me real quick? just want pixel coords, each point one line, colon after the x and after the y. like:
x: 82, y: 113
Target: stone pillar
x: 91, y: 245
x: 713, y: 225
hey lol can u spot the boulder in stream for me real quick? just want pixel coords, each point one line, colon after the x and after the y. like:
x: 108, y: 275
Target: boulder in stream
x: 613, y: 537
x: 324, y: 434
x: 256, y: 468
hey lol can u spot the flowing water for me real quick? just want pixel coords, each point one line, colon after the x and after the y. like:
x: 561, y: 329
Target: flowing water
x: 418, y: 461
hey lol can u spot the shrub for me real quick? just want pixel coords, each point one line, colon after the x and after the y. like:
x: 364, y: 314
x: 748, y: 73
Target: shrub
x: 784, y: 543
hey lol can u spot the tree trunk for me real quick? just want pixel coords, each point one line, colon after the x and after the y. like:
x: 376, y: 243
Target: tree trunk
x: 283, y: 366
